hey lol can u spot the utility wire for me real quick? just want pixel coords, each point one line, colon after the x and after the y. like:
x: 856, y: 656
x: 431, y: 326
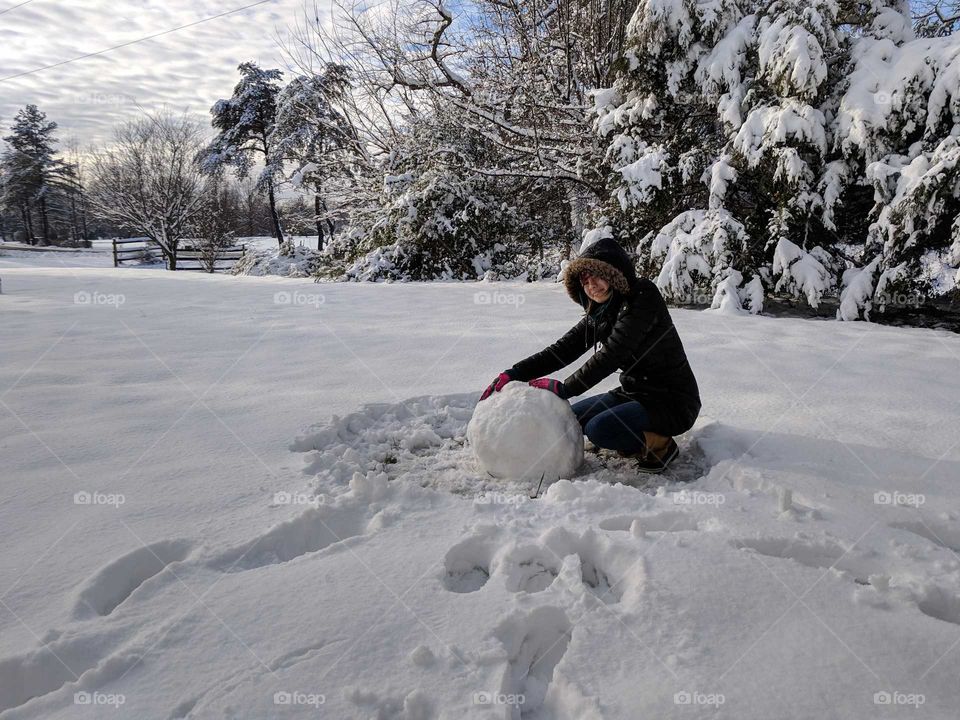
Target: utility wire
x: 131, y: 42
x: 25, y: 2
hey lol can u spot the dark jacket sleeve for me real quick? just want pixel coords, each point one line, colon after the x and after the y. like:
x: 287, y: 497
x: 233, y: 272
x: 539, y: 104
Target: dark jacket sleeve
x: 563, y: 352
x: 631, y: 330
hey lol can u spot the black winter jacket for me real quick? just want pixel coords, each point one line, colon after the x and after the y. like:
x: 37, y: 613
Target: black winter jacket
x: 637, y: 336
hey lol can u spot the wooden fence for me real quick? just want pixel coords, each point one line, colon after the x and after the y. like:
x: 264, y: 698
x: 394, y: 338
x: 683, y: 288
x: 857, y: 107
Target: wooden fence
x: 188, y: 258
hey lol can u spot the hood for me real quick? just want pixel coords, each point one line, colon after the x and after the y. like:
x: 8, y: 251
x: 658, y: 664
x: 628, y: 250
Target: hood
x: 606, y: 259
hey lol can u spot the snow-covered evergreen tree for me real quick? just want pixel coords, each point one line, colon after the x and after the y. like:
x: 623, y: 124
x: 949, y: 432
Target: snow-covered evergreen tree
x: 316, y: 136
x: 31, y: 172
x: 245, y: 122
x: 744, y: 138
x: 427, y: 219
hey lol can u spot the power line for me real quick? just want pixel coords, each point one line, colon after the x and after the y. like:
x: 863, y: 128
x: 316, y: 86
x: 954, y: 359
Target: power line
x: 131, y: 42
x: 25, y: 2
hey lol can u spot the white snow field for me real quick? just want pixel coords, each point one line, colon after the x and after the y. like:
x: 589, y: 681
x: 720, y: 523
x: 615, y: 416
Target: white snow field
x: 250, y: 497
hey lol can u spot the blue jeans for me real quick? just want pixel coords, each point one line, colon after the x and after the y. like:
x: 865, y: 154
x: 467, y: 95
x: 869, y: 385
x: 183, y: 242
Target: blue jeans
x: 613, y: 422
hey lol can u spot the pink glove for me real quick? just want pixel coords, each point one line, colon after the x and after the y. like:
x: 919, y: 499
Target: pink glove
x: 497, y: 385
x: 554, y: 386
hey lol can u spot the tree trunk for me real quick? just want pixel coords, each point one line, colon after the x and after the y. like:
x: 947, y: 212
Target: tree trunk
x: 27, y: 222
x: 74, y: 229
x: 317, y: 207
x: 83, y: 216
x: 274, y: 215
x: 44, y: 225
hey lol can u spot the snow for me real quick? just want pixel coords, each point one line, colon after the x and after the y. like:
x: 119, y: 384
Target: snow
x: 526, y: 433
x: 693, y: 244
x: 302, y: 262
x: 857, y: 291
x: 280, y: 551
x: 591, y: 235
x: 605, y: 100
x: 720, y: 68
x: 800, y: 271
x: 643, y: 175
x: 791, y: 55
x: 769, y: 126
x: 721, y: 174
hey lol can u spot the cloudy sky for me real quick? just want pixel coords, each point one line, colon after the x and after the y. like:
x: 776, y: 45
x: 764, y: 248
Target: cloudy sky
x: 187, y: 69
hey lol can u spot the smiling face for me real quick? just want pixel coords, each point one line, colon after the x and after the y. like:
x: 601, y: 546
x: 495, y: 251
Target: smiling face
x: 596, y: 288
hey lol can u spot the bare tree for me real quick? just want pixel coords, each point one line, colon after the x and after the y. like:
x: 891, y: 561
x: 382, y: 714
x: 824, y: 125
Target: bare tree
x: 148, y: 181
x: 935, y: 18
x: 76, y: 160
x: 518, y: 72
x: 210, y: 229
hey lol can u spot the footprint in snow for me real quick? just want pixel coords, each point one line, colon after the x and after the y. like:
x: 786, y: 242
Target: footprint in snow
x: 607, y: 569
x: 315, y: 529
x: 668, y: 521
x: 118, y: 580
x: 945, y: 535
x: 536, y: 643
x: 812, y: 554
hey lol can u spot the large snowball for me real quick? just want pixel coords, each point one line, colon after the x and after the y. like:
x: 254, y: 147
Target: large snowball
x: 525, y: 433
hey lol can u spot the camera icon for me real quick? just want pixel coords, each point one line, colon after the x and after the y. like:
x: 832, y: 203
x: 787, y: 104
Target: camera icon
x: 81, y: 698
x: 882, y: 497
x: 82, y: 298
x: 282, y: 298
x: 282, y: 698
x: 482, y: 698
x: 682, y: 698
x: 882, y: 698
x: 82, y: 498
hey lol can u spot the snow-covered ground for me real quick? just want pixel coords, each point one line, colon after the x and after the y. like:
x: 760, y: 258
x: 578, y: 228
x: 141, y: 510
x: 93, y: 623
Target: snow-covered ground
x: 249, y: 497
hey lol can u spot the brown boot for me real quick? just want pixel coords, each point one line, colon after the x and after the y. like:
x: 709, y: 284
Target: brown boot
x: 654, y: 445
x: 655, y: 442
x: 657, y: 461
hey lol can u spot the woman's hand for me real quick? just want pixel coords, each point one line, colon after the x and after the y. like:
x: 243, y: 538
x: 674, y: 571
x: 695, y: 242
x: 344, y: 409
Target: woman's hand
x: 497, y: 385
x: 554, y: 386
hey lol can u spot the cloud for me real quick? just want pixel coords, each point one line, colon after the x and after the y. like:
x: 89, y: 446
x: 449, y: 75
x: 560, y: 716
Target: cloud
x: 184, y: 70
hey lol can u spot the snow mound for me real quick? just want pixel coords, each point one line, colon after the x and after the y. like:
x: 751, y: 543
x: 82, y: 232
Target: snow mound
x: 526, y: 433
x: 422, y: 441
x: 299, y: 262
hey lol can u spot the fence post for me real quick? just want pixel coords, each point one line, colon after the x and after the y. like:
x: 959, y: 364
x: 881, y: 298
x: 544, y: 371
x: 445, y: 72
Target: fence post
x: 115, y: 263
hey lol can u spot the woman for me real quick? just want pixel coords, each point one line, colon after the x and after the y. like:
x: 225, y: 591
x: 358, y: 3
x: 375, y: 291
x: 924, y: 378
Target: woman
x: 658, y: 395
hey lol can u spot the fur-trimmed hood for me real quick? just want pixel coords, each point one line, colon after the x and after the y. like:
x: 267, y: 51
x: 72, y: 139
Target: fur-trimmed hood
x: 605, y: 259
